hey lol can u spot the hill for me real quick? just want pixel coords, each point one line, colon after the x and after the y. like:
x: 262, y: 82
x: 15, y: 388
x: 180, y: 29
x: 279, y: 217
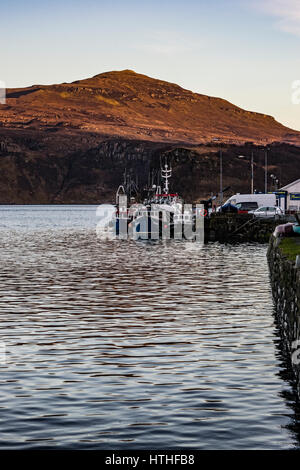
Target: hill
x: 70, y: 143
x: 130, y: 105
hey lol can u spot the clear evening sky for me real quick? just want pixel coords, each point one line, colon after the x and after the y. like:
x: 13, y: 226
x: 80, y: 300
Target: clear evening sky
x: 245, y: 51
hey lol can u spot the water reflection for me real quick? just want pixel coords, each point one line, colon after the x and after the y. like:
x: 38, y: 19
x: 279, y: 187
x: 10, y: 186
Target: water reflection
x: 136, y: 345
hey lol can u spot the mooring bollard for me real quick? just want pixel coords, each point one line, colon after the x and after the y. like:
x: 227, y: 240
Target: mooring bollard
x: 297, y: 263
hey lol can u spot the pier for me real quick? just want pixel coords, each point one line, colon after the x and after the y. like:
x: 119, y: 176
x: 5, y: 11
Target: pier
x: 241, y: 228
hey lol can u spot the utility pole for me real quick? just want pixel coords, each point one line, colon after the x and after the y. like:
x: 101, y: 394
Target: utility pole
x: 221, y: 178
x: 266, y: 171
x: 252, y: 173
x: 252, y: 168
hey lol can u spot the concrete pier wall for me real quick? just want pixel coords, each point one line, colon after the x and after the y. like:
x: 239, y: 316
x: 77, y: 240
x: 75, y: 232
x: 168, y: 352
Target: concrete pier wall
x: 285, y: 280
x: 240, y: 228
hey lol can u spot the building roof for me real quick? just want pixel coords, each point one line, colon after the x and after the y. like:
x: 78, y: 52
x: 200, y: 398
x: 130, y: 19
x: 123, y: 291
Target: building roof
x: 289, y: 185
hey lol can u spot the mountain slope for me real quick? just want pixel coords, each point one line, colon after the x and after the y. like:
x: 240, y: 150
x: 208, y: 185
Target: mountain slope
x: 133, y: 106
x: 71, y: 142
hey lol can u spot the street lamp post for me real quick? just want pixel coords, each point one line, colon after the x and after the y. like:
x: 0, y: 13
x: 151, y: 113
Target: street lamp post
x: 221, y: 177
x: 252, y: 170
x: 275, y: 181
x: 252, y: 173
x: 266, y: 171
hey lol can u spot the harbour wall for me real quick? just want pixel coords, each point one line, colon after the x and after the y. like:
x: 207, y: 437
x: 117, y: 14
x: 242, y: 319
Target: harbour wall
x: 285, y: 281
x: 240, y: 228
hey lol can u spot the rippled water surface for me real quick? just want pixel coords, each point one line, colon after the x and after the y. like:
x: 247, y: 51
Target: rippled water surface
x: 115, y: 344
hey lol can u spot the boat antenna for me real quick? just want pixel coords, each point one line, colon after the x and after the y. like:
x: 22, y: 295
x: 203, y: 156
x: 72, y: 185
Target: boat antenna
x: 166, y: 174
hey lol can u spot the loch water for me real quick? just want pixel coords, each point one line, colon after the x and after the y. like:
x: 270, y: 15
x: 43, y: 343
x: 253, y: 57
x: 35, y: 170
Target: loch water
x: 115, y: 344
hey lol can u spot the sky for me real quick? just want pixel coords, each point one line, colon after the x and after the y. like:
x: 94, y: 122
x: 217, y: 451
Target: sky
x: 245, y: 51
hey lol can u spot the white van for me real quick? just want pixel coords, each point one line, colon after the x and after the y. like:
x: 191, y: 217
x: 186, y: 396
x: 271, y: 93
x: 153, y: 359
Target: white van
x: 248, y: 202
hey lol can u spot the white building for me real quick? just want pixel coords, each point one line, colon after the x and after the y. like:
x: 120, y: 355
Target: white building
x: 293, y: 198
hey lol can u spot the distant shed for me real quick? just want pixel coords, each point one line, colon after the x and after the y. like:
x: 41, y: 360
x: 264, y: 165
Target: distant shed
x: 293, y: 199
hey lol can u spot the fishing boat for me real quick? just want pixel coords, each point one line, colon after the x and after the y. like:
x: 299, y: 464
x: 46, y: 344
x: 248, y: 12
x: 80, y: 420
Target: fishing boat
x: 160, y: 214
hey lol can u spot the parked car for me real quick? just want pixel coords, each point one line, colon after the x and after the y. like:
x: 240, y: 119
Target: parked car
x: 246, y: 207
x: 268, y: 211
x: 228, y: 208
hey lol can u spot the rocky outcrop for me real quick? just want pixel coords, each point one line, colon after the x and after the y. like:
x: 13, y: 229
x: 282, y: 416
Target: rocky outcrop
x: 45, y: 167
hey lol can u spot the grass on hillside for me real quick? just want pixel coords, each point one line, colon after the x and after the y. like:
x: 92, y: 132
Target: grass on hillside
x: 110, y: 101
x: 290, y: 247
x: 65, y: 94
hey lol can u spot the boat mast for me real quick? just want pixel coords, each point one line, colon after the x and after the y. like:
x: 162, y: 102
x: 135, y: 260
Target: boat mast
x: 166, y: 174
